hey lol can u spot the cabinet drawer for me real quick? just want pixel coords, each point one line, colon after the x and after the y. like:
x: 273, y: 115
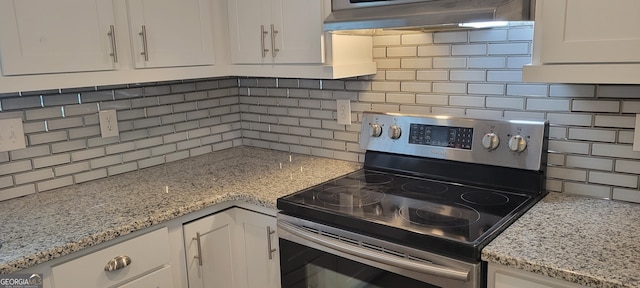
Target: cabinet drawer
x: 159, y: 279
x: 147, y: 251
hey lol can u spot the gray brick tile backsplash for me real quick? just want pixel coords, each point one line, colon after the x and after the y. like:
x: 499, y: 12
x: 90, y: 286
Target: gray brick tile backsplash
x: 18, y: 191
x: 43, y: 113
x: 614, y: 121
x: 450, y: 37
x: 30, y: 152
x: 20, y: 103
x: 67, y: 146
x: 466, y: 73
x: 91, y: 175
x: 488, y: 35
x: 33, y: 176
x: 55, y: 183
x: 6, y: 181
x: 626, y: 195
x: 96, y: 96
x: 70, y: 169
x: 417, y: 38
x: 602, y: 192
x: 62, y: 99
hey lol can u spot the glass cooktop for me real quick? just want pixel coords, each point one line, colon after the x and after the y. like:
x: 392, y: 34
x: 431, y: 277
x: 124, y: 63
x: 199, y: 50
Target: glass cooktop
x: 415, y: 211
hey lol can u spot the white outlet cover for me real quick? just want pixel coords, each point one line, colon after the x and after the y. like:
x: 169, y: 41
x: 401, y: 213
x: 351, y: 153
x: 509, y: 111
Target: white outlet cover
x: 11, y: 135
x: 344, y: 111
x: 109, y: 123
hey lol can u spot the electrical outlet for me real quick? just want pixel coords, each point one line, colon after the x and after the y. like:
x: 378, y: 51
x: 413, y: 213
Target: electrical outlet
x: 11, y: 135
x: 344, y: 112
x: 109, y: 123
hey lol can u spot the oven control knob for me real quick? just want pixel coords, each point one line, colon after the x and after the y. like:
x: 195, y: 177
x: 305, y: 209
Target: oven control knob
x: 376, y: 130
x: 394, y: 132
x: 517, y: 143
x: 490, y: 141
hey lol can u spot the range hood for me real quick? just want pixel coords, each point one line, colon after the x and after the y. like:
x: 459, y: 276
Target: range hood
x: 423, y: 14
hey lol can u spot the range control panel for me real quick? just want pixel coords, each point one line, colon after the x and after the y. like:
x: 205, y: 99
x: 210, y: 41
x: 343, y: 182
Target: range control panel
x: 509, y: 143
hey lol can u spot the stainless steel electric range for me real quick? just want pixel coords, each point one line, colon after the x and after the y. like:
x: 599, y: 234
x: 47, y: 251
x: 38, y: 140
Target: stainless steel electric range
x: 434, y: 190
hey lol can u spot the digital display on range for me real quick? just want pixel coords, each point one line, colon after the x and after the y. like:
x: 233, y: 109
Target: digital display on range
x: 441, y: 136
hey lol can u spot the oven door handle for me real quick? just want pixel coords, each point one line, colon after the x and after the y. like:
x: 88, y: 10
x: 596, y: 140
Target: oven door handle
x: 403, y: 263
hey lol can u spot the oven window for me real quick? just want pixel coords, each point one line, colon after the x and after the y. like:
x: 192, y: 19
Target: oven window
x: 303, y: 267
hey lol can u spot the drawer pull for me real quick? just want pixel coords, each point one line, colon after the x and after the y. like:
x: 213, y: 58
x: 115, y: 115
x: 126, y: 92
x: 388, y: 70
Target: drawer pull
x: 117, y: 263
x: 269, y: 245
x: 145, y: 47
x: 199, y: 256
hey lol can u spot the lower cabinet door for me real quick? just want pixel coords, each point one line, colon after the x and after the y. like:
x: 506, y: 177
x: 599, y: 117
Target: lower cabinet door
x: 499, y: 276
x: 256, y: 234
x: 208, y: 246
x: 158, y: 279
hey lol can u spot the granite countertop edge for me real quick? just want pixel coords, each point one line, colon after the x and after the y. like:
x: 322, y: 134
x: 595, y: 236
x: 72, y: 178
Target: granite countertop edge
x: 560, y: 238
x: 113, y: 233
x: 274, y: 173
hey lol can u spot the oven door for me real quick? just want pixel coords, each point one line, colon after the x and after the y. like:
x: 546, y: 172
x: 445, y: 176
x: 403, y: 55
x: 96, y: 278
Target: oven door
x: 316, y: 255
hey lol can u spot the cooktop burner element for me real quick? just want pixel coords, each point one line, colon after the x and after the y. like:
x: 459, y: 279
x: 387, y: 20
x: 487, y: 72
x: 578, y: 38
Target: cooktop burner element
x: 425, y: 187
x: 350, y: 196
x: 440, y: 215
x: 442, y: 184
x: 484, y: 198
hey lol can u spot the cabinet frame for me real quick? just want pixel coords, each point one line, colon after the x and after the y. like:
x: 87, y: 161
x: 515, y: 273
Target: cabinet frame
x: 563, y: 53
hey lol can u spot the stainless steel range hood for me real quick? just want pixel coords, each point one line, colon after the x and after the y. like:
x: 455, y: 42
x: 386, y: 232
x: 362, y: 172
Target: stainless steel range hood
x: 423, y: 14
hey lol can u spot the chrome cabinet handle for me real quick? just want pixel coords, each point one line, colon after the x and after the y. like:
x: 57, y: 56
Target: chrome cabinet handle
x: 274, y: 50
x: 263, y: 33
x: 269, y: 245
x: 117, y: 263
x: 199, y: 256
x: 431, y: 269
x: 112, y: 36
x: 145, y: 48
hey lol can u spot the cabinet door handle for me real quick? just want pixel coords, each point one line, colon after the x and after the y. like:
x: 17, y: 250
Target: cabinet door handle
x: 145, y: 48
x: 117, y: 263
x: 263, y: 33
x: 112, y: 37
x: 269, y: 245
x: 274, y: 50
x: 199, y: 256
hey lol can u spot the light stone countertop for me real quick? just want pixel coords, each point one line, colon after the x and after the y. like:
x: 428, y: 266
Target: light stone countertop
x: 44, y: 226
x: 591, y: 242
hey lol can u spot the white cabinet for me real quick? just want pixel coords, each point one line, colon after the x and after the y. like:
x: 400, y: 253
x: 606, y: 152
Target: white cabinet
x: 284, y: 38
x: 238, y: 249
x: 166, y: 33
x: 276, y: 31
x: 208, y: 245
x: 146, y: 253
x: 157, y: 279
x: 505, y: 277
x: 56, y: 36
x: 586, y: 41
x: 38, y: 37
x: 258, y: 242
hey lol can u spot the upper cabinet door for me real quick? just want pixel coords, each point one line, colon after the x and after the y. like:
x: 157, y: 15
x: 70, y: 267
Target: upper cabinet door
x: 297, y: 31
x: 276, y: 31
x: 588, y: 31
x: 248, y: 30
x: 39, y: 36
x: 169, y: 33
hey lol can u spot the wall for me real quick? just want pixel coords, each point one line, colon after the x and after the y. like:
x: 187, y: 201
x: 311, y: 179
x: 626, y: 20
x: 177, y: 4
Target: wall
x: 467, y: 73
x: 158, y: 123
